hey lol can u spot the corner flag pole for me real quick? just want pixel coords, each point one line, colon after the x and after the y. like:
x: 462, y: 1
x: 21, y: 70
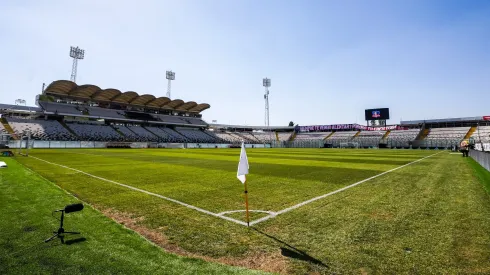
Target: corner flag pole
x: 246, y: 203
x: 242, y: 171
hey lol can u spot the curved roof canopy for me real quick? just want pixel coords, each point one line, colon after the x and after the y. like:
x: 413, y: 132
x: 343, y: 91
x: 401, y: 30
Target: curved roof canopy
x: 66, y: 88
x: 84, y: 91
x: 174, y: 104
x: 60, y: 87
x: 125, y: 97
x: 106, y: 95
x: 159, y: 102
x: 142, y: 100
x: 200, y: 107
x: 186, y: 106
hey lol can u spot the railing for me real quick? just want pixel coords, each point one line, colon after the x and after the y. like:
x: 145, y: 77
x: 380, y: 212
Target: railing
x: 483, y: 158
x: 100, y: 144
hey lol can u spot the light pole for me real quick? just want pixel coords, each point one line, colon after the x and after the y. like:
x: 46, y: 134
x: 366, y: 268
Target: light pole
x: 266, y: 82
x: 75, y: 53
x: 170, y: 76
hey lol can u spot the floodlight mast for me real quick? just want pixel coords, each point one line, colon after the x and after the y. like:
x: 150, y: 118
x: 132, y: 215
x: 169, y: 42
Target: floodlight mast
x: 170, y: 76
x: 266, y: 82
x: 75, y: 53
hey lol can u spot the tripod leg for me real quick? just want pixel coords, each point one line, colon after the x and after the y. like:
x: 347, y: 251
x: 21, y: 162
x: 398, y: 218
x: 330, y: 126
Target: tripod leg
x: 52, y: 237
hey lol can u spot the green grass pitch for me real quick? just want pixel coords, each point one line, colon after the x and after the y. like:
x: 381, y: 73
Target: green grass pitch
x: 432, y: 216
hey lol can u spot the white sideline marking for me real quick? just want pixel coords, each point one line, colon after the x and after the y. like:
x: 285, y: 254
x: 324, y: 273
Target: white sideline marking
x: 148, y: 193
x: 335, y: 192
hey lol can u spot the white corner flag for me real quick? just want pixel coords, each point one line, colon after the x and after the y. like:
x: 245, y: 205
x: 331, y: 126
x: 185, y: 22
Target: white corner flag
x: 242, y: 165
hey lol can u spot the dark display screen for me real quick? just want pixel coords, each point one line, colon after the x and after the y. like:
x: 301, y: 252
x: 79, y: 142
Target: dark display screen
x: 378, y: 114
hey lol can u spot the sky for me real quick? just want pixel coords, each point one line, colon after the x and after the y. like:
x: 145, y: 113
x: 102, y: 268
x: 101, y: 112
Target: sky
x: 327, y: 60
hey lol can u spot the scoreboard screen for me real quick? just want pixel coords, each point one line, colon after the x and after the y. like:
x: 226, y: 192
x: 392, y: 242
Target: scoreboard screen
x: 378, y: 114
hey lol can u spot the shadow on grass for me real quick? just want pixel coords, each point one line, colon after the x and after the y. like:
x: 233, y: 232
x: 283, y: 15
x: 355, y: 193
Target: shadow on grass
x: 74, y: 241
x: 292, y: 252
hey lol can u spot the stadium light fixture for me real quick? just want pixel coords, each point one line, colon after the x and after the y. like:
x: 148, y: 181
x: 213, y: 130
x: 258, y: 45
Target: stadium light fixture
x: 76, y: 53
x: 170, y: 76
x: 266, y: 82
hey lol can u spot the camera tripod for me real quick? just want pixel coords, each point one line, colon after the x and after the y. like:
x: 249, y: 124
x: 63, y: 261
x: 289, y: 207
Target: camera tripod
x: 61, y: 231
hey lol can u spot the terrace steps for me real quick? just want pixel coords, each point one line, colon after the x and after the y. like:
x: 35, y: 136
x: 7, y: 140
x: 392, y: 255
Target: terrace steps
x: 356, y: 135
x: 117, y: 130
x: 68, y: 129
x: 132, y: 131
x: 327, y: 137
x: 8, y: 128
x: 423, y: 134
x: 206, y: 132
x: 152, y: 132
x: 386, y: 134
x: 470, y: 132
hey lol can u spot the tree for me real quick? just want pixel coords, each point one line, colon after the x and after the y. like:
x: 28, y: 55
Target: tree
x: 291, y: 124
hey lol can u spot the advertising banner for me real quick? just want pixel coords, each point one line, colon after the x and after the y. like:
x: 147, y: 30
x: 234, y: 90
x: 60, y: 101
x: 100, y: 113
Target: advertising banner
x: 328, y: 128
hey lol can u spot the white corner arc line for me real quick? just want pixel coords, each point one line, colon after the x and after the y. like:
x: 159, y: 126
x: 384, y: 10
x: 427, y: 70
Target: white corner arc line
x: 147, y: 192
x: 335, y: 192
x: 237, y: 211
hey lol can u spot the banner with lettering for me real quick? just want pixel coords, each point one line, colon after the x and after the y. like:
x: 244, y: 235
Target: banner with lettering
x: 328, y: 128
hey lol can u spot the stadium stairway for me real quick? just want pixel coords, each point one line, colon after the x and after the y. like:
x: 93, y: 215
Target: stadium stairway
x: 386, y: 134
x: 159, y: 137
x: 277, y: 136
x: 215, y: 137
x: 8, y: 128
x: 253, y: 138
x: 132, y: 131
x: 68, y: 129
x: 293, y: 136
x: 117, y: 130
x: 331, y: 134
x: 356, y: 135
x: 422, y: 134
x: 470, y: 132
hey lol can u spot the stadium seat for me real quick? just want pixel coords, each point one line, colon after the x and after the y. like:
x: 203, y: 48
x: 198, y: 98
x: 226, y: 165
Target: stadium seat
x: 40, y: 129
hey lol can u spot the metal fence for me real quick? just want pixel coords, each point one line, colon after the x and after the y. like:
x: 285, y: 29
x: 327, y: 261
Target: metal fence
x: 101, y: 144
x: 483, y: 158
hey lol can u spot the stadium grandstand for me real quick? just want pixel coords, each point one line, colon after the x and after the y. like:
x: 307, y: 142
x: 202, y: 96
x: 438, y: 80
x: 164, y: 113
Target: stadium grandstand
x: 68, y: 112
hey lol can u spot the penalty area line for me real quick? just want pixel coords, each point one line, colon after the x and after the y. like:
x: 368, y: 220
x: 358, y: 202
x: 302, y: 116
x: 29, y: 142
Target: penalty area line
x: 147, y: 192
x: 334, y: 192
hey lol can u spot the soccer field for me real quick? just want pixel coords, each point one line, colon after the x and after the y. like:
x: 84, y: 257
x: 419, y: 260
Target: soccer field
x: 408, y: 211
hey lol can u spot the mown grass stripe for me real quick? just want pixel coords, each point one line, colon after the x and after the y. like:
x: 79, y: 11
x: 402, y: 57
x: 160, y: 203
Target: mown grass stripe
x: 147, y: 192
x: 335, y: 192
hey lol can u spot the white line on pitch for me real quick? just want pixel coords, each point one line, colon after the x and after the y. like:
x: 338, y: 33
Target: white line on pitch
x: 238, y: 211
x: 335, y: 192
x: 148, y: 193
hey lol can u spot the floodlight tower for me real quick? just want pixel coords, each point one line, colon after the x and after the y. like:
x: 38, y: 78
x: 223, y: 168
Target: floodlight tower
x: 75, y: 53
x: 170, y: 77
x: 266, y: 82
